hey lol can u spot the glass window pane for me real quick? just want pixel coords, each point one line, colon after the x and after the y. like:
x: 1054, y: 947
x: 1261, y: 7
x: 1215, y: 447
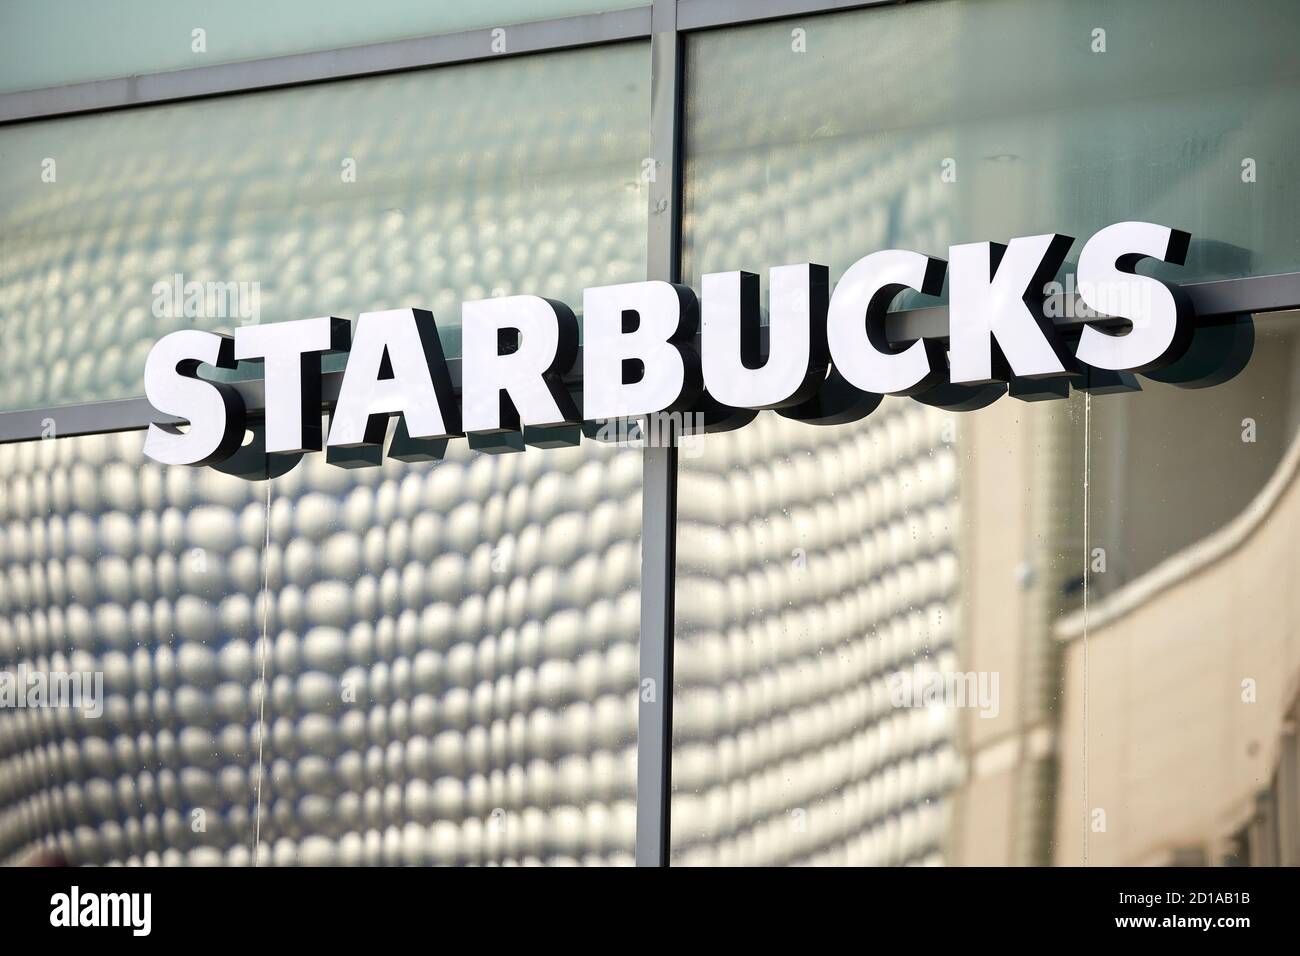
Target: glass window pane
x: 879, y: 625
x: 450, y: 647
x: 140, y: 582
x: 813, y: 562
x: 453, y: 671
x: 55, y: 42
x: 920, y: 125
x: 418, y: 189
x: 1152, y: 479
x: 1192, y: 668
x: 449, y: 651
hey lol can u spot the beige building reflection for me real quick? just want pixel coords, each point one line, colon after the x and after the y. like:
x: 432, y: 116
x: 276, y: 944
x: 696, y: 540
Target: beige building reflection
x: 1160, y: 727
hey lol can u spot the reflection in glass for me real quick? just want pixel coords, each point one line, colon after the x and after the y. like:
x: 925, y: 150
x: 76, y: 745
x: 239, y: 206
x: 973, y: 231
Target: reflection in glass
x: 814, y: 565
x: 1187, y: 658
x: 149, y: 577
x: 453, y: 660
x: 448, y: 649
x: 55, y: 42
x: 419, y: 189
x: 918, y: 126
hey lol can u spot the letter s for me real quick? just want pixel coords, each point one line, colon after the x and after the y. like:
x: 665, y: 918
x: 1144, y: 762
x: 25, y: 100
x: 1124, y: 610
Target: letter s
x: 215, y: 411
x: 1161, y: 315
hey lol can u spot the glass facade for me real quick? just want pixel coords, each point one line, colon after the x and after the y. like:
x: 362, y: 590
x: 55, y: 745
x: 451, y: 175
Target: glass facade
x: 330, y: 199
x: 151, y: 577
x: 1042, y: 632
x: 450, y: 647
x: 442, y: 655
x: 923, y: 542
x: 922, y: 125
x: 832, y: 564
x: 453, y: 660
x: 55, y: 42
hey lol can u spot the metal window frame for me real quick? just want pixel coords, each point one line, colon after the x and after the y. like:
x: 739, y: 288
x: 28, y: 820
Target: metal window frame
x: 664, y: 23
x: 392, y: 56
x: 654, y: 751
x: 295, y: 69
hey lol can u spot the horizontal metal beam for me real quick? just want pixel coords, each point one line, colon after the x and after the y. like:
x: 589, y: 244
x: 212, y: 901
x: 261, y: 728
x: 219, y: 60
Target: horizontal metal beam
x: 1259, y: 295
x: 1274, y: 293
x: 367, y: 60
x: 391, y: 56
x: 133, y: 414
x: 707, y: 14
x: 92, y: 418
x: 1221, y: 297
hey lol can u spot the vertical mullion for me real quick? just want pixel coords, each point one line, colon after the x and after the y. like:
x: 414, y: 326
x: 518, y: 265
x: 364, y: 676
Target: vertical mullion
x: 659, y: 467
